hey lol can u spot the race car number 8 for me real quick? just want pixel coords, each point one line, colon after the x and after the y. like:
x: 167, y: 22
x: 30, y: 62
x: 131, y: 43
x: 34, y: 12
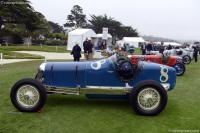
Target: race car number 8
x: 164, y: 74
x: 97, y: 65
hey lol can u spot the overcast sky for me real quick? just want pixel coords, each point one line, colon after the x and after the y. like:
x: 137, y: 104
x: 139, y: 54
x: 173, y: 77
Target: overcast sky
x: 173, y: 19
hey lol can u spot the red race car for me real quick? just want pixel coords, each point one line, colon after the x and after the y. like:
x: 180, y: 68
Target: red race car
x: 173, y: 61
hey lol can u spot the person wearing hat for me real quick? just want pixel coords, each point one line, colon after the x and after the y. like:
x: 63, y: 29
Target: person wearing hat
x: 87, y: 47
x: 76, y: 52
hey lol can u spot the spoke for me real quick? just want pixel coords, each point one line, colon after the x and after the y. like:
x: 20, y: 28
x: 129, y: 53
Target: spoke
x: 149, y: 99
x: 27, y: 96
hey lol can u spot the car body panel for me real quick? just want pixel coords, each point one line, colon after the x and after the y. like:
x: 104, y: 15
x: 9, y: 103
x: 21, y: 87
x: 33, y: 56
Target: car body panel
x: 155, y: 58
x: 103, y: 74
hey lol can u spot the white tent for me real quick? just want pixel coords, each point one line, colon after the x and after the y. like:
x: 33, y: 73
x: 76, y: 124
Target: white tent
x: 133, y: 41
x: 79, y: 35
x: 171, y: 43
x: 99, y: 39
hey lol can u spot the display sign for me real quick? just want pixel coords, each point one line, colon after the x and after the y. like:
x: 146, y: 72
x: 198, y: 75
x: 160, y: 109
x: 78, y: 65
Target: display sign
x: 105, y: 33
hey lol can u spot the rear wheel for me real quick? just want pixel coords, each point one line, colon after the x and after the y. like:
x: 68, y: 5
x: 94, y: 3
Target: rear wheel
x: 28, y: 95
x: 180, y: 68
x: 148, y: 98
x: 186, y: 59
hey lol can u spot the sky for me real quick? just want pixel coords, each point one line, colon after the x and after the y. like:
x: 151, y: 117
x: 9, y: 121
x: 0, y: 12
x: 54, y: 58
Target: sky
x: 173, y: 19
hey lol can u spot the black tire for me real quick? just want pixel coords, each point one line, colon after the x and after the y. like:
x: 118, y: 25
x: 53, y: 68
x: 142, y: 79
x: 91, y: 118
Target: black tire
x: 155, y: 90
x: 186, y: 59
x: 180, y: 68
x: 28, y: 95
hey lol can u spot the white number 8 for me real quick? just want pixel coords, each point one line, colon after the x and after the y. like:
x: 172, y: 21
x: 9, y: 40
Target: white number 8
x: 164, y: 74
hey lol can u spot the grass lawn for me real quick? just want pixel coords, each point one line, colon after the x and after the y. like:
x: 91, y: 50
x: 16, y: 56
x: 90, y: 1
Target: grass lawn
x: 9, y: 54
x: 77, y: 114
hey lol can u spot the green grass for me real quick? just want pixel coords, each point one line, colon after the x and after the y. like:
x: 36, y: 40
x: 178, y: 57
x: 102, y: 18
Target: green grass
x: 77, y: 114
x: 8, y: 54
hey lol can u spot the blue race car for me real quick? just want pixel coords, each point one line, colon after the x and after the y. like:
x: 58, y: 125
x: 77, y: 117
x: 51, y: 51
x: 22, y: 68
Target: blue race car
x: 145, y: 84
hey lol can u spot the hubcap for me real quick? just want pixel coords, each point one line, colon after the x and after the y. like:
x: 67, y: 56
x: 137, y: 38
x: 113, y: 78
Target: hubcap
x: 186, y: 60
x: 28, y: 96
x: 148, y: 99
x: 179, y: 69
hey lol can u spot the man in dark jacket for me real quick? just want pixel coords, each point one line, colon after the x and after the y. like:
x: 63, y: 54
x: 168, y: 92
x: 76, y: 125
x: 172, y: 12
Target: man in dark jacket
x: 161, y: 48
x: 143, y: 48
x: 195, y: 53
x: 76, y: 51
x: 87, y: 47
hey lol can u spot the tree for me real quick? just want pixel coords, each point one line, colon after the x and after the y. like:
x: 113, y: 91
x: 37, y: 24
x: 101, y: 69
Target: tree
x: 127, y: 31
x: 19, y: 14
x: 55, y: 27
x: 115, y: 28
x: 44, y: 27
x: 76, y: 19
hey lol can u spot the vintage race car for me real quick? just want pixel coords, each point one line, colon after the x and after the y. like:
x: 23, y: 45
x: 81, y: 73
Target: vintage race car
x: 144, y: 84
x: 187, y: 55
x: 173, y: 61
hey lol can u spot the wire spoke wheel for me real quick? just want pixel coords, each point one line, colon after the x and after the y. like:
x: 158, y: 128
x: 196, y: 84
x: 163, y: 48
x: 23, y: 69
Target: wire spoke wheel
x: 27, y: 96
x: 148, y: 99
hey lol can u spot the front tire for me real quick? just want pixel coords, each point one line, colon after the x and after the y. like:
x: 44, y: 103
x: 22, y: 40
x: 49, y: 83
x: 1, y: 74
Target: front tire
x: 180, y: 68
x: 148, y: 98
x: 186, y: 59
x: 28, y: 95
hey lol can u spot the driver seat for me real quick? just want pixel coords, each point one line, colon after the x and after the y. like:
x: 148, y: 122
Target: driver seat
x: 165, y: 59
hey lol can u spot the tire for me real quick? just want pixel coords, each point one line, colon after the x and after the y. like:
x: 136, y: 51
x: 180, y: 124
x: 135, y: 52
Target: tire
x: 28, y: 95
x: 180, y: 68
x: 186, y: 59
x: 154, y: 92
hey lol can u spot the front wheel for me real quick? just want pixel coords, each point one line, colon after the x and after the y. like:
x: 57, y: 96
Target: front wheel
x: 186, y: 59
x: 180, y: 68
x: 148, y: 98
x: 28, y: 95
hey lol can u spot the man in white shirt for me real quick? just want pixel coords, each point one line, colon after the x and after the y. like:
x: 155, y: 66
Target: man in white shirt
x: 109, y: 51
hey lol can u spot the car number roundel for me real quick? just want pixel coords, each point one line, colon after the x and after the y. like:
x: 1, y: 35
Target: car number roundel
x: 97, y: 65
x: 164, y: 74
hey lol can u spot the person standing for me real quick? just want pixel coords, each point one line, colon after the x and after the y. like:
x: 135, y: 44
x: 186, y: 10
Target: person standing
x: 76, y: 51
x: 195, y: 53
x: 87, y: 47
x: 169, y: 47
x: 143, y: 48
x: 127, y: 47
x: 149, y: 48
x: 162, y: 48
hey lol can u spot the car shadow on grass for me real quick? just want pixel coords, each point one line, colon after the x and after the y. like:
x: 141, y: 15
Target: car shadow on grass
x: 82, y: 102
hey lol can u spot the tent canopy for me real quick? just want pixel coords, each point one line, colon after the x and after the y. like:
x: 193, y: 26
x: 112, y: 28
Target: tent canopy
x: 100, y: 35
x: 133, y: 41
x: 79, y: 36
x: 171, y: 43
x: 85, y: 32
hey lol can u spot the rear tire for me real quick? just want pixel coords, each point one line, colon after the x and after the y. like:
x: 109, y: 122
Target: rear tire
x: 28, y: 95
x: 186, y: 59
x: 148, y: 98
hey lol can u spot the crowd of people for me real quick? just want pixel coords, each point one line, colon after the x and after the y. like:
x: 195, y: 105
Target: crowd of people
x: 124, y: 49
